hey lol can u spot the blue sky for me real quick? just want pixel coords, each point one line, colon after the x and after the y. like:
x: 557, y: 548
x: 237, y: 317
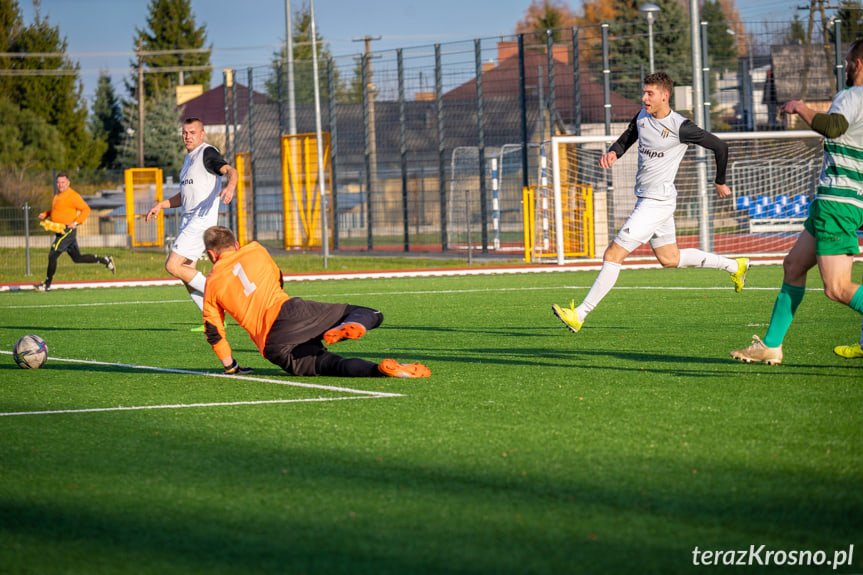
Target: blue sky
x: 246, y: 33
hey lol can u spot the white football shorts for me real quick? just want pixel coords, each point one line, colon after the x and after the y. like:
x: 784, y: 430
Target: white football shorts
x: 190, y: 240
x: 651, y: 220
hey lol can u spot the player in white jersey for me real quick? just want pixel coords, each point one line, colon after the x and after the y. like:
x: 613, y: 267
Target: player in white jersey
x: 829, y: 239
x: 200, y: 191
x: 662, y: 135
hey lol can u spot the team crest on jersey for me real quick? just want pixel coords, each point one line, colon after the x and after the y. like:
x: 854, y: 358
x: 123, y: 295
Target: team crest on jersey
x: 665, y: 132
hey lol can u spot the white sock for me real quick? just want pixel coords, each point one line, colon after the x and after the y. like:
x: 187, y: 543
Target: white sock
x: 199, y: 282
x: 601, y: 286
x: 198, y: 298
x: 692, y: 258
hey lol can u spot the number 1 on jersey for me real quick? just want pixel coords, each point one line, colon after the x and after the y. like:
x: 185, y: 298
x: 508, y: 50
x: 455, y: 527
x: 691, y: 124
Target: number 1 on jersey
x: 248, y: 287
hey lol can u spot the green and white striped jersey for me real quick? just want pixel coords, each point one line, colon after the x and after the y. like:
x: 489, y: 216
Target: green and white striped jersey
x: 842, y: 172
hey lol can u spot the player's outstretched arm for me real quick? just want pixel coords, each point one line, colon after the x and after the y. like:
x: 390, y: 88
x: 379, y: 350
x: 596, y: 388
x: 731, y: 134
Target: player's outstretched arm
x: 228, y: 191
x: 830, y: 125
x: 690, y: 133
x: 800, y: 108
x: 174, y: 201
x: 623, y: 143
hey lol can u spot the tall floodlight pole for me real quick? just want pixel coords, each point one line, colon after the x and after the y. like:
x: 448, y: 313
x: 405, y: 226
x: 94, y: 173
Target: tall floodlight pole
x: 325, y: 244
x: 289, y: 57
x: 705, y: 227
x: 140, y: 135
x: 649, y: 10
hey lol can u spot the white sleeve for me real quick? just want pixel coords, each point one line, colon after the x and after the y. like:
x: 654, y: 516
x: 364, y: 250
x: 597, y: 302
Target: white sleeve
x: 848, y: 103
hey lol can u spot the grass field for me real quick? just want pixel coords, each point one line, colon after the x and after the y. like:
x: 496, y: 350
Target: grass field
x: 530, y: 449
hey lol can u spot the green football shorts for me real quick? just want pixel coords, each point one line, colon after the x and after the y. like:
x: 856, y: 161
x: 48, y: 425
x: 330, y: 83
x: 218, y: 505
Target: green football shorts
x: 834, y: 226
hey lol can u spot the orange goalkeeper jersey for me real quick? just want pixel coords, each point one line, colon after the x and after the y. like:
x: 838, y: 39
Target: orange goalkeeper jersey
x: 247, y: 285
x: 68, y: 207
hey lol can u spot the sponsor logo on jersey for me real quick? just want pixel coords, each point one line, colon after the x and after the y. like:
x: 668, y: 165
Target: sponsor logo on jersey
x: 650, y: 153
x: 187, y: 182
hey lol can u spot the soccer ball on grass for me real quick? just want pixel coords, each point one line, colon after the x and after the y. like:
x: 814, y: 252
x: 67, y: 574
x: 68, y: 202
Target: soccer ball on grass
x: 30, y: 352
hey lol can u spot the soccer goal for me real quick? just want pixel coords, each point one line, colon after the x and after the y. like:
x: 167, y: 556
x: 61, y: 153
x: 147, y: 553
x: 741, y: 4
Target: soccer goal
x: 772, y: 175
x: 143, y: 190
x: 501, y: 220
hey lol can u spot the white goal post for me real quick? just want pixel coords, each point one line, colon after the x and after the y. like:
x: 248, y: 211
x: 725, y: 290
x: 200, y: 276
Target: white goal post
x: 772, y: 176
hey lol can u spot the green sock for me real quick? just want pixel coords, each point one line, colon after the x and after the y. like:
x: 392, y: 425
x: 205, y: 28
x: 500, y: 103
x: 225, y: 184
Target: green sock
x: 857, y: 301
x: 783, y: 312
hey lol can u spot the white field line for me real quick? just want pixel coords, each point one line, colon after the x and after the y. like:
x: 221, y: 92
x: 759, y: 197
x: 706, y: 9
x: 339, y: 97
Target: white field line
x: 590, y: 265
x: 224, y: 375
x: 176, y: 406
x: 98, y: 304
x: 416, y: 292
x: 362, y: 394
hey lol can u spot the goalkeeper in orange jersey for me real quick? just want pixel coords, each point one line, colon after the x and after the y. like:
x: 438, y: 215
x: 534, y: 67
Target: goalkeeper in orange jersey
x: 68, y: 211
x: 290, y: 332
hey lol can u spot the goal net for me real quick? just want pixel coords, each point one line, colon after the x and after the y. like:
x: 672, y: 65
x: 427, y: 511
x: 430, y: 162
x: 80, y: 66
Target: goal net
x: 772, y: 175
x: 502, y: 213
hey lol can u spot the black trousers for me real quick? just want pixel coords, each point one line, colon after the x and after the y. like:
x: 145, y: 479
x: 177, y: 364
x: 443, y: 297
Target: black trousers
x: 295, y: 341
x: 67, y: 242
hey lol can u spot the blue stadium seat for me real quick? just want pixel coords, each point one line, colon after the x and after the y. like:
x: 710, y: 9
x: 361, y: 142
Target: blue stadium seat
x: 782, y: 200
x: 797, y: 210
x: 777, y: 209
x: 757, y: 211
x: 801, y: 199
x: 744, y: 202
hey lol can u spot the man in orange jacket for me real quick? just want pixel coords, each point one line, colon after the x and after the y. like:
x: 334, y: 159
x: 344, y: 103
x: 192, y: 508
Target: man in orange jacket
x: 68, y: 209
x: 247, y: 283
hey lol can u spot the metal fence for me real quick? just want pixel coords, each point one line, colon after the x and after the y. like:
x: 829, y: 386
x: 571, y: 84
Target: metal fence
x: 412, y: 151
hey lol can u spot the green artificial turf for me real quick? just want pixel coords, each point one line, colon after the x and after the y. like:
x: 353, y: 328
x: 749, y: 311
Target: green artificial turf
x: 530, y: 449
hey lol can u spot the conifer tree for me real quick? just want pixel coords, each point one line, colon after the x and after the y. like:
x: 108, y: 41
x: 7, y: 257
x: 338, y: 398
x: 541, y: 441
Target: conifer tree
x: 304, y: 89
x: 629, y: 47
x: 55, y: 97
x: 850, y: 13
x: 353, y: 92
x: 796, y: 32
x: 171, y: 26
x: 27, y: 142
x: 721, y: 50
x: 10, y: 26
x: 106, y: 121
x: 163, y: 147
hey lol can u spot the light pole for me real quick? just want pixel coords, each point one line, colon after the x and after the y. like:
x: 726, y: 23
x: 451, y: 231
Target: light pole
x: 649, y: 10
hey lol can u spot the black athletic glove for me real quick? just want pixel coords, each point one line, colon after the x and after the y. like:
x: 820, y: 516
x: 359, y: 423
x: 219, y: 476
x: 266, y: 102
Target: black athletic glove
x: 236, y: 369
